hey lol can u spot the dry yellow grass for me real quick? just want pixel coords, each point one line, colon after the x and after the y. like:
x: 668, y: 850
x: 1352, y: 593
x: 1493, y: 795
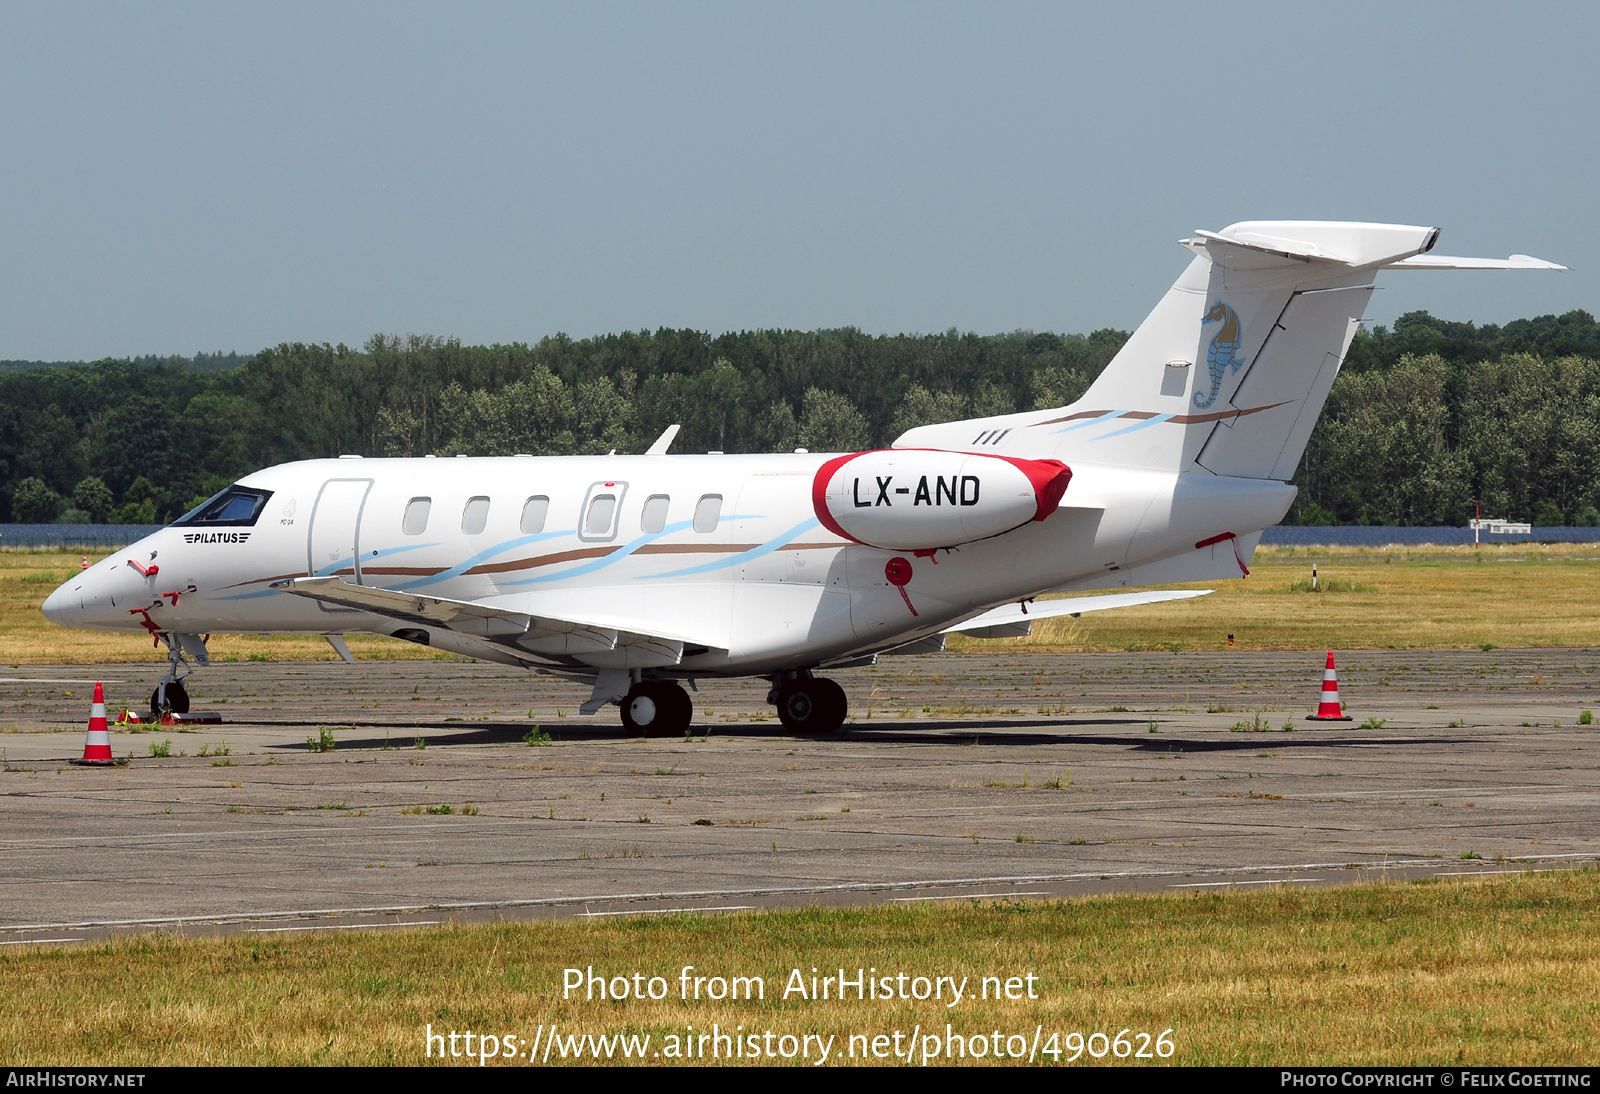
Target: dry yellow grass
x: 1504, y: 970
x: 28, y: 638
x: 1432, y: 598
x: 1403, y: 598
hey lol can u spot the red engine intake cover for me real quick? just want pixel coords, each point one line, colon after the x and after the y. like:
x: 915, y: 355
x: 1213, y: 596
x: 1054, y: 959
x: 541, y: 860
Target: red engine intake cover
x: 920, y: 499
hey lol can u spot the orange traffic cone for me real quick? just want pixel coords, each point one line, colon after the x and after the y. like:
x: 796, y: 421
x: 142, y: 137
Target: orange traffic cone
x: 97, y: 742
x: 1329, y: 709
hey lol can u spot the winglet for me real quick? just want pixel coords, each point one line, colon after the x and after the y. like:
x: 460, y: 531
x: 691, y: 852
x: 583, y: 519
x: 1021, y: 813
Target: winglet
x: 664, y: 441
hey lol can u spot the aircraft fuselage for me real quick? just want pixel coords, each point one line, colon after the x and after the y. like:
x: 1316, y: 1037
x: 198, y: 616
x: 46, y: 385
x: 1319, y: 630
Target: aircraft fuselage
x: 725, y: 554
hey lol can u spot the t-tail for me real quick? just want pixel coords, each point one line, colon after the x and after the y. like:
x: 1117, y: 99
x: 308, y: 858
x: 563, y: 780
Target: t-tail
x: 1241, y: 353
x: 1228, y: 374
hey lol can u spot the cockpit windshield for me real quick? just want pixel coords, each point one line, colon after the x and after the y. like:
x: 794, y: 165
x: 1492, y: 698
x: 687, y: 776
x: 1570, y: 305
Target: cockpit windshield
x: 236, y: 507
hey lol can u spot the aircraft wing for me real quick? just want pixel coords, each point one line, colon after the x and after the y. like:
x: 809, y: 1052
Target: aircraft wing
x: 1016, y: 620
x: 540, y: 634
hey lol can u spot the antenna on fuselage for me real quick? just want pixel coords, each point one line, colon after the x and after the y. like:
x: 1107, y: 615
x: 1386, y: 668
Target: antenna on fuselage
x: 663, y: 442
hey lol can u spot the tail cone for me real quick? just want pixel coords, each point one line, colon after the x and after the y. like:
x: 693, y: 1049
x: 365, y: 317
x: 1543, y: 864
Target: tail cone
x: 97, y: 742
x: 1329, y: 709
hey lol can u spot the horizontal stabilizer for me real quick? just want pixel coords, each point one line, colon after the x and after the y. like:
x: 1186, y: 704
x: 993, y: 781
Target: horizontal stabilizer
x: 1266, y: 244
x: 1012, y: 620
x: 1452, y: 262
x: 1270, y: 245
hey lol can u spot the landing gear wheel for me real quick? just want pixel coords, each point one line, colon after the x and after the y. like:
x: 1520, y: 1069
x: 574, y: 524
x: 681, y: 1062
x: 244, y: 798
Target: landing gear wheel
x: 656, y: 708
x: 812, y: 706
x: 170, y: 696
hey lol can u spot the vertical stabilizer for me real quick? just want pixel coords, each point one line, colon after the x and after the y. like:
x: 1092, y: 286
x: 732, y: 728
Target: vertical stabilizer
x: 1228, y: 374
x: 1230, y: 371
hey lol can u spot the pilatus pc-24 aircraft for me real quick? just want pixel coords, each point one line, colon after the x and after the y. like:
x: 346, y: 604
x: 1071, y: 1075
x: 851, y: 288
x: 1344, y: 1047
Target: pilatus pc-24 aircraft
x: 642, y: 573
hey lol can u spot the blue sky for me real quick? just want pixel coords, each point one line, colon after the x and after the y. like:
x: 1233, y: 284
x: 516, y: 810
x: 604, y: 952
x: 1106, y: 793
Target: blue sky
x: 200, y: 177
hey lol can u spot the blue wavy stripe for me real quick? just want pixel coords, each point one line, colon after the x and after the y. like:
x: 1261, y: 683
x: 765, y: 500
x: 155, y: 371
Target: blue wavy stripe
x: 1146, y: 424
x: 332, y: 567
x: 482, y: 556
x: 744, y: 556
x: 1091, y: 421
x: 600, y: 563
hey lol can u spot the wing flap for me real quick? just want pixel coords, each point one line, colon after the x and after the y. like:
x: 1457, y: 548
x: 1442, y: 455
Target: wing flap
x: 1014, y: 620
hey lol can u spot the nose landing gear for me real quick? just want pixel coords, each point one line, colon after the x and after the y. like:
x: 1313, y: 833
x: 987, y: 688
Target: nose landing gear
x: 170, y: 696
x: 656, y: 708
x: 811, y: 705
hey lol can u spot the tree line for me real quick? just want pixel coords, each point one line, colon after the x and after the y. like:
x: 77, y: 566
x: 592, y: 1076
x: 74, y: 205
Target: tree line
x: 1425, y: 419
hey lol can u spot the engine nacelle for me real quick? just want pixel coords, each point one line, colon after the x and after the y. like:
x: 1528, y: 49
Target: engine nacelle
x: 919, y: 499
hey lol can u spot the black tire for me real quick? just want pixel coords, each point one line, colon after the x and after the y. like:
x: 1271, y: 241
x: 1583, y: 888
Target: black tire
x: 176, y: 699
x: 656, y: 708
x: 836, y: 704
x: 812, y: 707
x: 679, y: 710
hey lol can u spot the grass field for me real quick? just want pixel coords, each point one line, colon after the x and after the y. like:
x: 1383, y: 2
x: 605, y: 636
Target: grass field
x: 1404, y: 598
x: 1504, y: 970
x: 1436, y: 597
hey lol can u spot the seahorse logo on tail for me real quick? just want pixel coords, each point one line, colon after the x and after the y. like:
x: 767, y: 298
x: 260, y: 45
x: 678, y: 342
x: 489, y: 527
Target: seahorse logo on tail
x: 1223, y: 354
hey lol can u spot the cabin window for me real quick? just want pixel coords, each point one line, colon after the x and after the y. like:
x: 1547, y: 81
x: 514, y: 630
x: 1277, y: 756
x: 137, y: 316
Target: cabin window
x: 475, y: 515
x: 602, y: 507
x: 599, y: 518
x: 707, y: 512
x: 415, y: 522
x: 654, y: 516
x: 534, y: 510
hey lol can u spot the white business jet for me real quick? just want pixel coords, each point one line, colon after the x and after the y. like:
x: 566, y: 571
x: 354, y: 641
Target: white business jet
x: 640, y: 573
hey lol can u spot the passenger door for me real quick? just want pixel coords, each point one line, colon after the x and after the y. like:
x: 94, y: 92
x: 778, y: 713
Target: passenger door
x: 333, y: 547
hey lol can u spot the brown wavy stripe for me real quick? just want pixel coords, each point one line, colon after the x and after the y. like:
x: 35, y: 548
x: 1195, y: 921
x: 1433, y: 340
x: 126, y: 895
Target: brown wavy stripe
x: 541, y: 560
x: 696, y: 548
x: 1181, y: 419
x: 1072, y: 417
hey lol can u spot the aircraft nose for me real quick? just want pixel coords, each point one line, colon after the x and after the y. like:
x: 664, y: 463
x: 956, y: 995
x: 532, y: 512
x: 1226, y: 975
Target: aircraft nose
x: 57, y: 606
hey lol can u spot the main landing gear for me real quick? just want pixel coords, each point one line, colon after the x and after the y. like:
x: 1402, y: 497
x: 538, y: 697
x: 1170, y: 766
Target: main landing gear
x: 656, y: 708
x: 807, y: 705
x: 810, y: 705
